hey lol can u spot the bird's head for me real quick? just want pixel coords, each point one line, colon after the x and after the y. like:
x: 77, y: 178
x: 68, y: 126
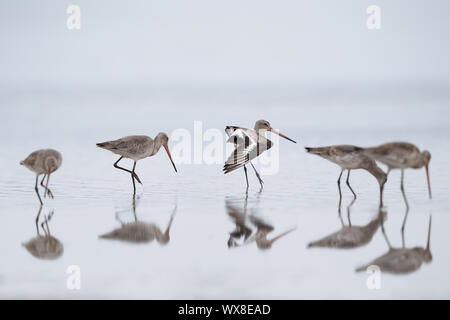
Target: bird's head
x: 264, y: 125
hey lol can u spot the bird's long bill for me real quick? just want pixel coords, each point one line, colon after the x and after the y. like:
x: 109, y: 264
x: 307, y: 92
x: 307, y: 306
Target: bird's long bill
x: 282, y: 135
x: 429, y: 235
x: 429, y: 182
x: 170, y: 157
x: 281, y: 235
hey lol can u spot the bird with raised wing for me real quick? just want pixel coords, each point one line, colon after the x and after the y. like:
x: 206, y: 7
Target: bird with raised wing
x: 249, y: 144
x: 350, y: 158
x: 137, y: 148
x: 402, y: 155
x: 43, y: 162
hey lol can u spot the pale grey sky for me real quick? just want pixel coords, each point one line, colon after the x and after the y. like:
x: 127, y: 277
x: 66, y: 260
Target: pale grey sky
x: 232, y: 41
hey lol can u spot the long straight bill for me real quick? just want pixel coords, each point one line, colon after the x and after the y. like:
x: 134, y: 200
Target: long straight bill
x: 170, y: 157
x: 429, y: 182
x: 282, y: 135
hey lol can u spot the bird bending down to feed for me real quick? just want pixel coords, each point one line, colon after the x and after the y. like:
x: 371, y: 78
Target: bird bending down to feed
x: 137, y: 148
x: 402, y: 155
x: 351, y: 158
x: 45, y: 161
x: 249, y: 144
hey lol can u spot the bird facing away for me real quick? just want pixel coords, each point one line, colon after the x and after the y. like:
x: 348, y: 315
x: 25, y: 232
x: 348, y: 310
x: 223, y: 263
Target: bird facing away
x: 44, y: 247
x: 402, y: 155
x: 351, y: 158
x: 249, y: 144
x: 350, y: 237
x: 402, y: 260
x: 137, y: 148
x: 43, y: 162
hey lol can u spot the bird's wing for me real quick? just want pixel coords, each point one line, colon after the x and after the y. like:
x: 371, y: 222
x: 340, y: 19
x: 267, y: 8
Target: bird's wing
x: 248, y: 146
x: 393, y: 152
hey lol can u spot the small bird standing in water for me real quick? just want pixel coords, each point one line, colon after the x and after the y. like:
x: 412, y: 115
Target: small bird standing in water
x: 351, y: 158
x: 137, y: 148
x: 249, y: 144
x: 402, y: 155
x: 45, y: 161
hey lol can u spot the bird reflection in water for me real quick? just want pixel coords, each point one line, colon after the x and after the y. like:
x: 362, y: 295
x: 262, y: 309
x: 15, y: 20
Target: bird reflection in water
x: 351, y: 236
x: 245, y: 233
x: 46, y: 246
x: 139, y: 231
x: 402, y: 260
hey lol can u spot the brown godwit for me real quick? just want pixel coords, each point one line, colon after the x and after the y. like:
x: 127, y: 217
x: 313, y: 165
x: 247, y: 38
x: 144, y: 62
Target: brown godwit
x: 45, y: 161
x: 44, y: 247
x: 137, y: 148
x: 249, y: 144
x: 402, y: 260
x: 351, y: 158
x: 402, y: 155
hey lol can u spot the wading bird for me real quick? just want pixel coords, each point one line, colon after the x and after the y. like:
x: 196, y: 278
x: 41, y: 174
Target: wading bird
x: 351, y: 158
x: 402, y: 155
x: 137, y: 148
x: 45, y: 161
x: 249, y: 144
x: 402, y: 260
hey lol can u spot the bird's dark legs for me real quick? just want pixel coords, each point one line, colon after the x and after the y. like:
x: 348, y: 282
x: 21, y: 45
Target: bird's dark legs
x: 258, y: 176
x: 348, y: 212
x: 133, y: 174
x: 37, y: 190
x: 340, y: 191
x: 381, y: 196
x: 132, y: 178
x: 349, y: 186
x: 402, y: 188
x: 47, y: 190
x: 246, y: 176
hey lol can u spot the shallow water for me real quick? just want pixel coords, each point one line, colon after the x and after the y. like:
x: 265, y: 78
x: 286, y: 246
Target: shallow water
x: 90, y: 195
